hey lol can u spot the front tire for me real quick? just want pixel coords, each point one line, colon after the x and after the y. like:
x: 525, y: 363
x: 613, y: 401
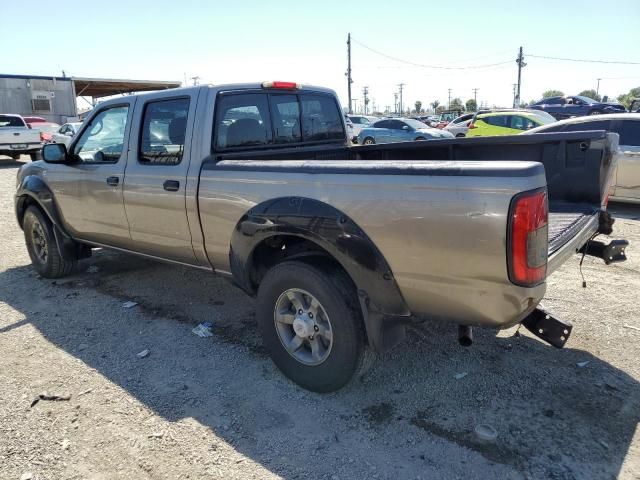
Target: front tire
x: 42, y: 246
x: 595, y: 112
x: 369, y: 141
x: 311, y: 324
x: 420, y: 139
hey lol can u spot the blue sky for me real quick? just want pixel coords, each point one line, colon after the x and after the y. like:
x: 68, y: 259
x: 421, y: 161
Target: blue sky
x: 223, y: 41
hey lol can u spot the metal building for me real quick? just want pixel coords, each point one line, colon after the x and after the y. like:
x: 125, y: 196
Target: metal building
x: 54, y: 98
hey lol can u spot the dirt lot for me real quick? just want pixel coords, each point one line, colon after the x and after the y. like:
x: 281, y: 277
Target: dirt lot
x: 218, y: 408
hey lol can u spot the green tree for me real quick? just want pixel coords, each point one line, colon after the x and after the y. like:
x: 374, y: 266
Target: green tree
x: 591, y: 94
x: 471, y: 105
x: 456, y: 104
x: 440, y: 108
x: 552, y: 93
x: 626, y: 98
x: 418, y: 106
x: 435, y: 105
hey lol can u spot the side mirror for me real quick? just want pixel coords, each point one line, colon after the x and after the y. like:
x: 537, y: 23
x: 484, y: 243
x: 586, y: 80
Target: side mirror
x: 54, y: 153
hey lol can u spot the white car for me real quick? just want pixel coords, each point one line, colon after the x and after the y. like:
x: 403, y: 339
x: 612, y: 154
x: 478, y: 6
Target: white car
x: 359, y: 122
x: 66, y: 133
x: 459, y: 126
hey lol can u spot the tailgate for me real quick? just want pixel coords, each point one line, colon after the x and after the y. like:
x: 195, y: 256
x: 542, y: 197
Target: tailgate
x: 568, y: 232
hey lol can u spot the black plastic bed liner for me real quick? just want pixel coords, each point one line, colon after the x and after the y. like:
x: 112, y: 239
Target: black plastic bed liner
x: 565, y: 224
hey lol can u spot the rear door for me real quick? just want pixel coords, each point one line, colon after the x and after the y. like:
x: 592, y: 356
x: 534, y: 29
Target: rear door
x: 628, y: 172
x: 156, y: 175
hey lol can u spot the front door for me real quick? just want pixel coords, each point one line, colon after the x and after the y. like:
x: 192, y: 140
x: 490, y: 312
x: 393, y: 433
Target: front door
x: 89, y: 189
x: 156, y: 176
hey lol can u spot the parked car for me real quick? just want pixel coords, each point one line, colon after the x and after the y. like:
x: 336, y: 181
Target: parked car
x: 339, y: 244
x: 506, y: 122
x: 460, y: 125
x: 359, y: 122
x: 31, y: 120
x: 446, y: 117
x: 635, y: 105
x: 66, y: 133
x: 626, y: 186
x: 389, y: 130
x: 47, y: 130
x: 16, y: 138
x: 578, y: 106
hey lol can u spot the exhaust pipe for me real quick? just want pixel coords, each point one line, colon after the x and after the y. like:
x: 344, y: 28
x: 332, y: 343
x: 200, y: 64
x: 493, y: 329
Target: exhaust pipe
x: 465, y: 335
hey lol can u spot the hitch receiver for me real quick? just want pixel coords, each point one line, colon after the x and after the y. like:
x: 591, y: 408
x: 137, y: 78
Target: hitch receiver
x: 612, y: 253
x: 548, y: 328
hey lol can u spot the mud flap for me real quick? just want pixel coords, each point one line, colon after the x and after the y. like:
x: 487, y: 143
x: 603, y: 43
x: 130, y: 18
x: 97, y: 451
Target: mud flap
x: 552, y: 330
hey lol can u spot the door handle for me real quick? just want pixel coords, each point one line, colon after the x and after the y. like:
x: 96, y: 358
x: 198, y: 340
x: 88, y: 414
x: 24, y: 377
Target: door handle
x: 171, y: 185
x: 113, y: 181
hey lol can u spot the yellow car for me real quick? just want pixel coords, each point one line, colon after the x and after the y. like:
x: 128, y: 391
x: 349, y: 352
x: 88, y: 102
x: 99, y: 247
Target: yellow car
x: 506, y: 122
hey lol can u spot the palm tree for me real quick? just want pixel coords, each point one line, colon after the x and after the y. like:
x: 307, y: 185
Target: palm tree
x: 435, y: 105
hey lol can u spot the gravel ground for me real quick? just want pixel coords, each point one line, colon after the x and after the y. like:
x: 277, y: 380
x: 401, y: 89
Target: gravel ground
x: 218, y: 408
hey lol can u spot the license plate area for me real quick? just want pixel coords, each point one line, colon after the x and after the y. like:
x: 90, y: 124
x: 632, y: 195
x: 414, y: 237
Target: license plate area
x: 18, y: 145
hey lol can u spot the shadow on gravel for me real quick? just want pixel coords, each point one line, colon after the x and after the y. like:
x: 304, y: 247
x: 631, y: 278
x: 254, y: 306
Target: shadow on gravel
x: 554, y: 418
x: 9, y: 163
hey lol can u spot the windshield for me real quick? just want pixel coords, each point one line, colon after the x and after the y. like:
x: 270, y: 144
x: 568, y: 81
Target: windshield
x: 587, y: 99
x: 10, y: 121
x: 415, y: 123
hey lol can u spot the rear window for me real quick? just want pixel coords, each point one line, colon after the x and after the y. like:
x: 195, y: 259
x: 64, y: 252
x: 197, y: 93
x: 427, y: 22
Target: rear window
x: 629, y: 131
x: 242, y: 121
x: 522, y: 123
x: 10, y: 121
x: 320, y: 118
x: 260, y: 119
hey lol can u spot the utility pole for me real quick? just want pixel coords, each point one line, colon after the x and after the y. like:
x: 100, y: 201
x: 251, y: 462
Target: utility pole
x: 400, y: 85
x: 520, y: 62
x: 395, y: 103
x: 514, y: 94
x: 475, y: 96
x: 348, y: 74
x: 355, y: 104
x: 598, y: 87
x: 365, y: 93
x: 196, y: 80
x: 449, y: 104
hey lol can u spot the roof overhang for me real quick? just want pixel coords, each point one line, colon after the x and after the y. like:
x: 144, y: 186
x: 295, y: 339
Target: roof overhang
x: 106, y: 87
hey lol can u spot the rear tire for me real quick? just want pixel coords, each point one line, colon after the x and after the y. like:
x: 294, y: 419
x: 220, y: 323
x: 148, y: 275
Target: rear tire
x: 460, y: 135
x: 42, y: 246
x: 15, y: 156
x: 35, y: 156
x: 289, y: 334
x: 595, y: 112
x: 369, y: 141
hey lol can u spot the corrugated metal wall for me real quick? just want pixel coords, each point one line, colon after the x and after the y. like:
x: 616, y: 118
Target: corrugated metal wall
x: 16, y: 95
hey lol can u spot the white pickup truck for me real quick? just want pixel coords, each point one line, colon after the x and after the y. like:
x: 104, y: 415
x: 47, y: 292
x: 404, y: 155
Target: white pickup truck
x: 17, y: 138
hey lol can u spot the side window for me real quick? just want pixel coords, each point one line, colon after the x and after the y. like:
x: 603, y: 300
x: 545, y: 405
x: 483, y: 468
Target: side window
x: 629, y: 131
x: 321, y: 118
x: 397, y: 125
x: 496, y: 120
x: 522, y: 123
x: 382, y: 124
x: 63, y: 129
x: 164, y: 124
x: 103, y: 139
x: 242, y: 120
x: 285, y: 117
x: 585, y: 126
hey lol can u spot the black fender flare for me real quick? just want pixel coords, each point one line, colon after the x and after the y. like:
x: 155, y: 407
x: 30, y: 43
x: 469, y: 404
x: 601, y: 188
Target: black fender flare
x: 337, y: 234
x: 33, y: 189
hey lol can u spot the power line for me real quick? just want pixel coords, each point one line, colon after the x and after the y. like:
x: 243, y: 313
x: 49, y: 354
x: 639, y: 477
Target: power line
x: 583, y: 60
x: 441, y: 67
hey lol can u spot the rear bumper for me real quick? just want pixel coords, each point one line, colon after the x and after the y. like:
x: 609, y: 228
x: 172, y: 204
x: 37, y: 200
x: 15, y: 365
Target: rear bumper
x: 9, y: 148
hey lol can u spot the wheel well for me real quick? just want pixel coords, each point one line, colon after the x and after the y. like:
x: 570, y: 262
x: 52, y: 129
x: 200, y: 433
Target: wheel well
x: 279, y: 248
x: 25, y: 202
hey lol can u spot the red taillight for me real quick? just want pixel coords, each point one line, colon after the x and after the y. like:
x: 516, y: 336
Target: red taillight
x: 528, y: 238
x: 283, y: 85
x: 471, y: 125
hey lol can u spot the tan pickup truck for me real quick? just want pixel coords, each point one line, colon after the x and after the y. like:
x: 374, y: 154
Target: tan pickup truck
x: 341, y: 245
